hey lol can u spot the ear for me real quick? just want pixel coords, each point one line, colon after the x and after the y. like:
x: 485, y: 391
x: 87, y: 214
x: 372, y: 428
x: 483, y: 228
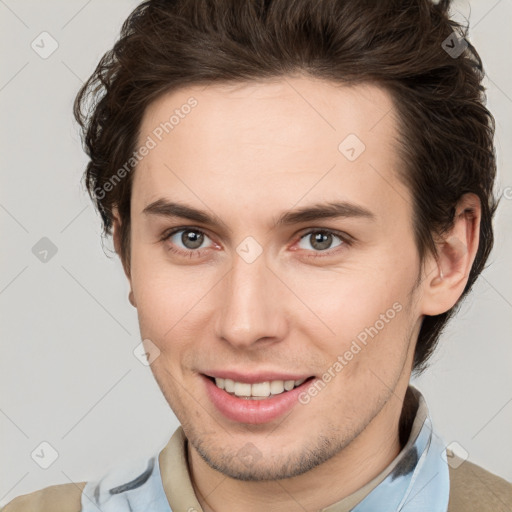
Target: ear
x: 116, y: 237
x: 448, y: 273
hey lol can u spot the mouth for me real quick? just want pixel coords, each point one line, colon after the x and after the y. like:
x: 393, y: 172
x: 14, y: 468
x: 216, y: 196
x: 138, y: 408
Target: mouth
x: 257, y: 390
x: 255, y: 402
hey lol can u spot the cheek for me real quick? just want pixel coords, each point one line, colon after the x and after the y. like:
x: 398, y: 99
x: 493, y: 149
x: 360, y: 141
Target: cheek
x: 365, y: 358
x: 163, y: 293
x: 362, y: 315
x: 175, y: 302
x: 348, y: 302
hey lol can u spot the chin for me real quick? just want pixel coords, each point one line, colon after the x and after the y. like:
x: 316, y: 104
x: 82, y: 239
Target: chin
x: 248, y: 463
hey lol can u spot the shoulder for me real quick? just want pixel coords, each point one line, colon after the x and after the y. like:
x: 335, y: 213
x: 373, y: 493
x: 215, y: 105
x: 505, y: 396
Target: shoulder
x: 474, y: 489
x: 136, y: 475
x: 56, y: 498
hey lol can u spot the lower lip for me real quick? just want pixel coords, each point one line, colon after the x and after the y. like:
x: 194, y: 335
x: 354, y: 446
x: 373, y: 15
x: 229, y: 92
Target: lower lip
x: 250, y: 411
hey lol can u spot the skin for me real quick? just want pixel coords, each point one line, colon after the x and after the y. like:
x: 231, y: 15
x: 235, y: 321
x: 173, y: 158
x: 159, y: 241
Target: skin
x: 248, y: 153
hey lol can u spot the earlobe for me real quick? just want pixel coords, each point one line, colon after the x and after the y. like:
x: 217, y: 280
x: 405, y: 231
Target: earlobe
x: 131, y: 298
x: 456, y: 253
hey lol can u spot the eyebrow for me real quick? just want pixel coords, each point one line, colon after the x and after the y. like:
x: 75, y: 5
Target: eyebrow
x: 331, y: 210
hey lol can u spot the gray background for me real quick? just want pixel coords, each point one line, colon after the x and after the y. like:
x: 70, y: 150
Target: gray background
x: 68, y: 373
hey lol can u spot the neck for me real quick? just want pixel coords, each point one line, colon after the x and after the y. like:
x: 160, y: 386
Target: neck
x: 338, y: 478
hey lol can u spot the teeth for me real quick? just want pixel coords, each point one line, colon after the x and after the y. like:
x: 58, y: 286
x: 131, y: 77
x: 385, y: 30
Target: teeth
x: 289, y: 384
x: 242, y: 389
x: 229, y: 385
x: 276, y: 387
x: 260, y: 389
x: 257, y: 390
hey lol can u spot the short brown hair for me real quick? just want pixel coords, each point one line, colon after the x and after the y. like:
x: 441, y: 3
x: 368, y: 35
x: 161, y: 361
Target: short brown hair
x: 446, y: 132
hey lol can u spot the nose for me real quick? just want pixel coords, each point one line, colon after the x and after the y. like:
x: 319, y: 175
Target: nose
x: 253, y: 310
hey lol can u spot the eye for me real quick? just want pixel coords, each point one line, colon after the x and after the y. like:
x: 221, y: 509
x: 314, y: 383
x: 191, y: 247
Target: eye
x: 186, y: 241
x: 321, y: 240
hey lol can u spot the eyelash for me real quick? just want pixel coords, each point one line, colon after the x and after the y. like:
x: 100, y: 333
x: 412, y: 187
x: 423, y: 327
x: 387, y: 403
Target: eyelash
x: 345, y: 239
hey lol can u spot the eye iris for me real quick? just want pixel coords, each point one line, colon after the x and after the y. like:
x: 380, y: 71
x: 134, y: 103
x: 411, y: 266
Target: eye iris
x: 192, y: 239
x: 321, y: 241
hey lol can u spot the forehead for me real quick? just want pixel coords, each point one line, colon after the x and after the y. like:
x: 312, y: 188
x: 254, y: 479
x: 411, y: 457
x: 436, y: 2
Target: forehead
x: 282, y: 139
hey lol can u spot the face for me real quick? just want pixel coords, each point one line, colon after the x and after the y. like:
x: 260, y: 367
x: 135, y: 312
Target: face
x: 250, y: 293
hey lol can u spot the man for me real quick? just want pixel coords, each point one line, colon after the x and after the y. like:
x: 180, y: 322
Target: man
x: 300, y: 194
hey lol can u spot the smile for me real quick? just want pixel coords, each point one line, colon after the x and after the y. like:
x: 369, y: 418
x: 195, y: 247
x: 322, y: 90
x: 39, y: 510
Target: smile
x: 257, y: 390
x: 255, y: 402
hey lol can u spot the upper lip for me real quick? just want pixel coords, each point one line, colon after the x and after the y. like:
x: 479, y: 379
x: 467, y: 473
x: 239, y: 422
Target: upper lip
x: 251, y: 378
